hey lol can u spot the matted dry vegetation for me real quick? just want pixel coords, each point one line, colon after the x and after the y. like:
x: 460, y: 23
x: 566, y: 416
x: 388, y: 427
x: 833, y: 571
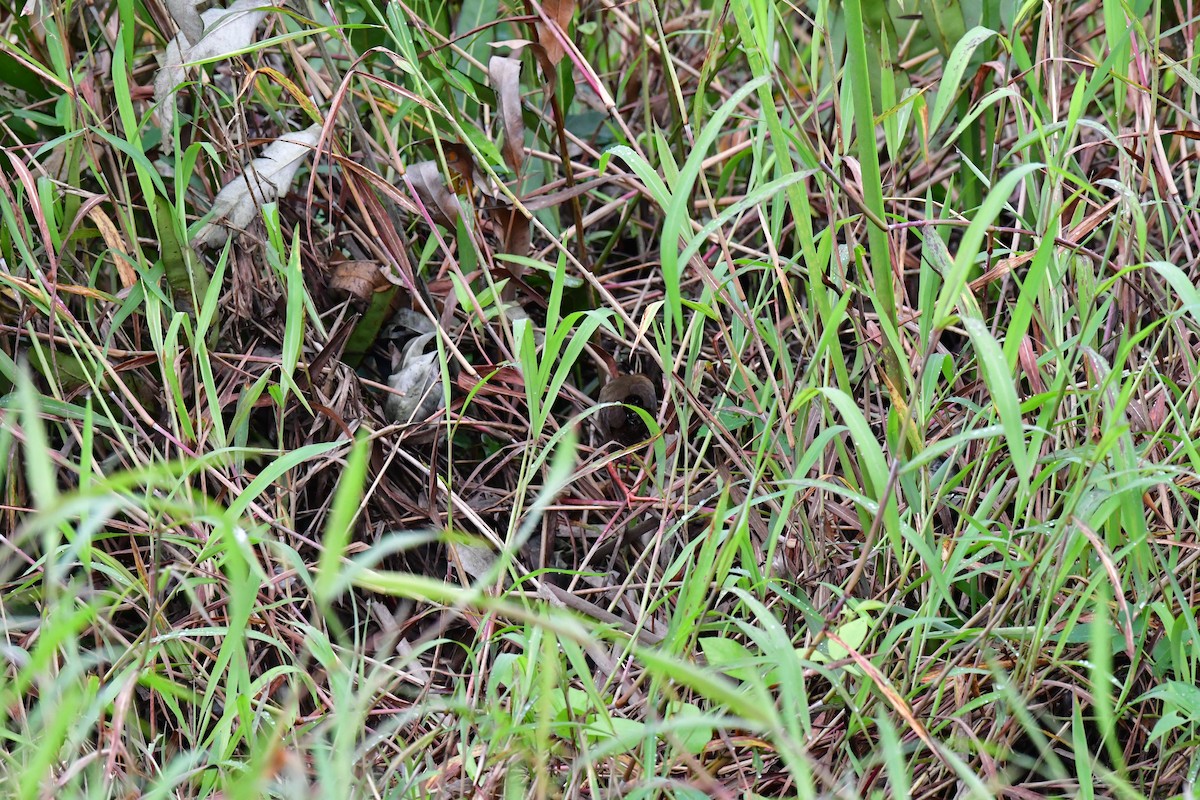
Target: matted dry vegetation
x: 306, y: 311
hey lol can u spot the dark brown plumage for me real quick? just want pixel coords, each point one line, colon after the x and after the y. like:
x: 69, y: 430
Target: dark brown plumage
x: 620, y: 424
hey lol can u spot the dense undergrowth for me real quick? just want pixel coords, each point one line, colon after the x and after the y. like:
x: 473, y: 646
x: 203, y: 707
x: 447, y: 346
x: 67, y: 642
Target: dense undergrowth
x: 305, y: 313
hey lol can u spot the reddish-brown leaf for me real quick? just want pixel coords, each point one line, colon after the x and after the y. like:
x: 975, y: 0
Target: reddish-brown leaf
x: 505, y: 74
x: 559, y: 13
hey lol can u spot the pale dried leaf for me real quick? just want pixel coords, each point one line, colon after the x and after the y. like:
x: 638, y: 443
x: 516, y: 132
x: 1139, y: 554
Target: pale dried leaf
x: 225, y: 31
x: 169, y: 75
x: 408, y: 322
x: 475, y: 561
x: 412, y: 665
x: 559, y: 12
x: 515, y: 46
x: 263, y: 179
x: 187, y: 18
x: 228, y: 30
x: 418, y: 384
x: 505, y: 74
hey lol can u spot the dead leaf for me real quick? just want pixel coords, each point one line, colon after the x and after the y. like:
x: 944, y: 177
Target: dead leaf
x: 499, y: 378
x: 263, y: 179
x: 439, y: 201
x: 1027, y: 358
x: 1158, y: 411
x: 408, y: 322
x: 505, y: 74
x: 418, y: 383
x: 116, y: 243
x: 187, y: 18
x: 465, y: 174
x: 225, y: 31
x: 536, y: 202
x: 559, y: 13
x: 359, y: 279
x: 514, y: 231
x: 475, y: 561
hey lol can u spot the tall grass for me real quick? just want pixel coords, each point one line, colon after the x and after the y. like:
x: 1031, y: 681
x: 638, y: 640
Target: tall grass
x: 916, y: 287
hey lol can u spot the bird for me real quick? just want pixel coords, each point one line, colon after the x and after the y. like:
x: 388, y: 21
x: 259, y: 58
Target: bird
x: 622, y: 424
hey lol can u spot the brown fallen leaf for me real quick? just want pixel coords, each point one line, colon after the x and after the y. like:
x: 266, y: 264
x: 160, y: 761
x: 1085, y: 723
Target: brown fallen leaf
x: 465, y: 176
x: 116, y: 243
x: 359, y: 279
x: 505, y: 74
x: 558, y: 13
x: 514, y: 231
x: 432, y: 191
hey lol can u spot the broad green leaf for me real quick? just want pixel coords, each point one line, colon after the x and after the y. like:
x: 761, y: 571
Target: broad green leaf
x: 952, y: 74
x: 995, y: 373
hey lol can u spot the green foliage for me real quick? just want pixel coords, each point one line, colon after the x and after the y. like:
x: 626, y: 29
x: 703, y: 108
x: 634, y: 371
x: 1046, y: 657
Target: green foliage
x: 915, y: 284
